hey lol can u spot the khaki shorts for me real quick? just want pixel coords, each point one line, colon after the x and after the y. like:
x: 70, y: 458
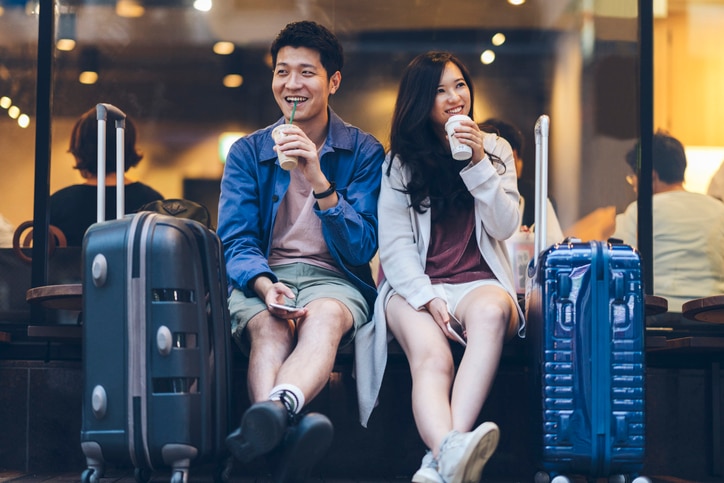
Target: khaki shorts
x: 308, y: 283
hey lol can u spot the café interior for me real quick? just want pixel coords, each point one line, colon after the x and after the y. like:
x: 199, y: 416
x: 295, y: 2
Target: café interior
x: 195, y: 75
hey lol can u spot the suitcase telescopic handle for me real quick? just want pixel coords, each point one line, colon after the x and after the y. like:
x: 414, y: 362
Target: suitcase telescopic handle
x: 105, y: 112
x: 542, y: 129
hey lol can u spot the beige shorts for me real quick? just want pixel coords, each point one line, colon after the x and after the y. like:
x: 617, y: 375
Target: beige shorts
x: 308, y: 283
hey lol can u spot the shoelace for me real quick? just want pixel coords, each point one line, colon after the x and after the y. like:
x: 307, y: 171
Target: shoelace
x: 429, y: 461
x: 453, y: 440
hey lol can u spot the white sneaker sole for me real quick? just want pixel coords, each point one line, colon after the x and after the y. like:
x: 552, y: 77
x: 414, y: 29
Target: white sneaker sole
x: 482, y: 446
x: 425, y: 477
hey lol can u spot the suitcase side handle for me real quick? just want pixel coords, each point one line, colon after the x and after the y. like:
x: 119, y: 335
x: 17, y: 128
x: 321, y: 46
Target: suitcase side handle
x: 103, y: 113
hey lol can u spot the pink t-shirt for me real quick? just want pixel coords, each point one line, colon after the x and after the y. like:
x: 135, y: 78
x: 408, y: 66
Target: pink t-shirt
x: 297, y: 233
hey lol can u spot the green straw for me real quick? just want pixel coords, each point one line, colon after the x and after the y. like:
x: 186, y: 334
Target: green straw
x: 294, y: 109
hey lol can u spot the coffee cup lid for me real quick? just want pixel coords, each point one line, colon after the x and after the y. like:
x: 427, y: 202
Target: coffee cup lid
x: 457, y: 118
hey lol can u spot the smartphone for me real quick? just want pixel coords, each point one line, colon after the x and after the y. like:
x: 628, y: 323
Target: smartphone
x: 457, y: 330
x: 288, y: 308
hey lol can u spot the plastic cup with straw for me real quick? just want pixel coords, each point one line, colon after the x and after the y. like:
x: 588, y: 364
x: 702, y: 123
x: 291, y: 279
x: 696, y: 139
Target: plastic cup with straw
x: 286, y: 162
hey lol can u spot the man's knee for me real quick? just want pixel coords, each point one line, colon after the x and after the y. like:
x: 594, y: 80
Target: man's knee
x: 329, y: 312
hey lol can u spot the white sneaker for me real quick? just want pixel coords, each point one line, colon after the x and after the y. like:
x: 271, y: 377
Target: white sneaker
x: 428, y: 471
x: 463, y: 455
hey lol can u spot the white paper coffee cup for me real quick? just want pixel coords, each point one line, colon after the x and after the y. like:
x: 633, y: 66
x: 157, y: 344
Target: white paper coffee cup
x: 286, y: 162
x: 460, y: 151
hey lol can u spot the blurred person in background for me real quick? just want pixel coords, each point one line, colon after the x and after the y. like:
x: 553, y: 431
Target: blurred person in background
x: 6, y: 233
x: 74, y: 208
x: 515, y: 138
x: 688, y: 228
x: 716, y: 185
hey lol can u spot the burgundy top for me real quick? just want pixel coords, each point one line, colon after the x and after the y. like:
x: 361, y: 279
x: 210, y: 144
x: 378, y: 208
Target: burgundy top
x: 453, y: 255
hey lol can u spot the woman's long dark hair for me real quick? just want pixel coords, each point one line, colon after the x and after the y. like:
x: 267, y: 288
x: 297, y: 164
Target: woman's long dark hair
x: 434, y: 174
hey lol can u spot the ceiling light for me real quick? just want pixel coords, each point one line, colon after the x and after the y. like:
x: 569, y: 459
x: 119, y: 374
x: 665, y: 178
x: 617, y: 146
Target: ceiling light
x: 66, y: 32
x: 233, y: 80
x: 224, y: 48
x: 88, y: 77
x: 498, y: 39
x: 89, y: 65
x: 487, y: 57
x: 130, y: 8
x: 232, y: 70
x: 66, y: 45
x: 5, y: 102
x: 203, y: 5
x: 14, y: 112
x: 516, y: 3
x: 23, y: 120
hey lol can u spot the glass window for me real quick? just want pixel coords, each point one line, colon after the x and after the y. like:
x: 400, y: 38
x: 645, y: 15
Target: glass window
x: 156, y: 60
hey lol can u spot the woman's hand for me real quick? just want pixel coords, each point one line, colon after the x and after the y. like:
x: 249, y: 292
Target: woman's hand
x: 468, y: 132
x: 438, y: 309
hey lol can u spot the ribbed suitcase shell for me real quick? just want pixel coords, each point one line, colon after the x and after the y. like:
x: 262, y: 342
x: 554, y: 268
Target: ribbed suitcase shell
x: 585, y: 318
x: 157, y: 342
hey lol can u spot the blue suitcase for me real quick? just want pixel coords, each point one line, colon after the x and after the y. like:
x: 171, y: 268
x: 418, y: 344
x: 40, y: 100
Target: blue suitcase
x: 156, y: 344
x: 585, y: 321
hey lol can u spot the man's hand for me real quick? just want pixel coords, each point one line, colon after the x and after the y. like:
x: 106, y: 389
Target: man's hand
x: 297, y: 143
x: 276, y: 294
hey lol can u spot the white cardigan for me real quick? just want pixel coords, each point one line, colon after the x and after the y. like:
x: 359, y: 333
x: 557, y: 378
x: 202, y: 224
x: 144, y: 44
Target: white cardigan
x: 404, y: 238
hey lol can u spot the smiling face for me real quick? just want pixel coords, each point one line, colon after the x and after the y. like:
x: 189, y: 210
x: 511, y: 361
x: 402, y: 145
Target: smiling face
x: 299, y: 76
x: 453, y: 96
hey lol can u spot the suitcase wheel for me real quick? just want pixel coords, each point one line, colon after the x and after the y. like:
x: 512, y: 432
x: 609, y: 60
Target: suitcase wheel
x: 179, y: 476
x: 223, y: 470
x: 89, y: 476
x: 628, y: 479
x: 142, y: 475
x: 541, y: 477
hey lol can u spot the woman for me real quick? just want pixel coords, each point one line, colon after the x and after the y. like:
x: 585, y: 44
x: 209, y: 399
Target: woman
x: 442, y: 226
x: 73, y: 208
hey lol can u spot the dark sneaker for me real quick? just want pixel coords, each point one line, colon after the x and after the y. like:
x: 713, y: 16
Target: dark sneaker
x: 262, y: 429
x: 304, y: 445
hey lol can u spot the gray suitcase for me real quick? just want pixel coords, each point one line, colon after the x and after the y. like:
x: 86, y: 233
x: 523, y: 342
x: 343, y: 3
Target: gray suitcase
x: 156, y: 341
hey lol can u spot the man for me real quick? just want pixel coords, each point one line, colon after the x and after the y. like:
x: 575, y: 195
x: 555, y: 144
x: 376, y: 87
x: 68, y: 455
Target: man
x: 688, y: 228
x: 302, y: 238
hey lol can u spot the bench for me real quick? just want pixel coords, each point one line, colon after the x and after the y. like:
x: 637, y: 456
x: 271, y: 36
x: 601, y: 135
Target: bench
x: 390, y: 446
